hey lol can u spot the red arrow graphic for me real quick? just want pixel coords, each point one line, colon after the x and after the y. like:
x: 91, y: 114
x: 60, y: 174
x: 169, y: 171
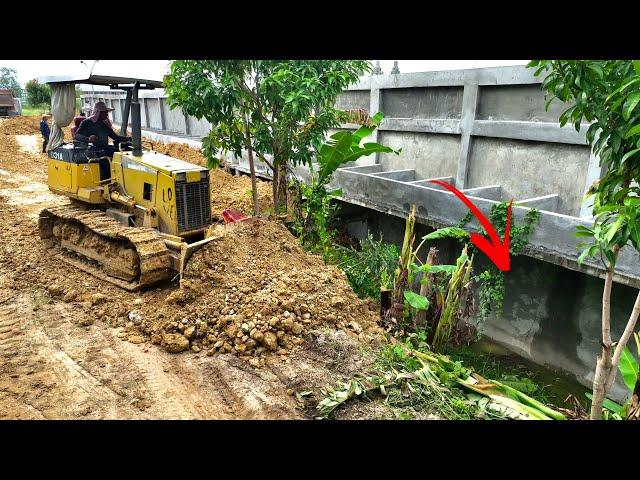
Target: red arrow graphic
x: 497, y: 251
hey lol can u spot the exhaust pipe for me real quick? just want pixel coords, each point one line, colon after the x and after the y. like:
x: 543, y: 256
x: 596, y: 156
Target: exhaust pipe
x: 136, y: 133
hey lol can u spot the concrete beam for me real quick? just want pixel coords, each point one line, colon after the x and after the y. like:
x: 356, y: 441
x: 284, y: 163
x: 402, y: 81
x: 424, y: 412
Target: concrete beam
x: 144, y: 101
x: 427, y: 182
x: 421, y: 125
x: 535, y: 131
x: 186, y: 124
x: 490, y: 192
x: 365, y: 168
x: 400, y: 175
x: 467, y: 118
x: 512, y: 75
x: 594, y: 172
x: 163, y: 124
x: 548, y: 203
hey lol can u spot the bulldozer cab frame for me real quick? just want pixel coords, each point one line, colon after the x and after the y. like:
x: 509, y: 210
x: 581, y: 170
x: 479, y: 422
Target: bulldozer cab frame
x: 131, y: 107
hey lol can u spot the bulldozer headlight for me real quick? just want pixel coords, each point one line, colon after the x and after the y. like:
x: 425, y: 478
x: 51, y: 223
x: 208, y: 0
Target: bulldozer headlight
x: 181, y: 177
x: 203, y: 175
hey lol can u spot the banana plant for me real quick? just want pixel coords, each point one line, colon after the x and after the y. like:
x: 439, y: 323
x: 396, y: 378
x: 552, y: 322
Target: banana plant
x: 345, y: 146
x: 341, y: 148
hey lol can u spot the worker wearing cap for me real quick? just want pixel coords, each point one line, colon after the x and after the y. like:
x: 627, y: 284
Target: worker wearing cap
x: 97, y: 130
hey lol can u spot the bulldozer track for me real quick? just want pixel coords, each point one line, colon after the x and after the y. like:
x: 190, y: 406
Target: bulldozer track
x: 130, y: 257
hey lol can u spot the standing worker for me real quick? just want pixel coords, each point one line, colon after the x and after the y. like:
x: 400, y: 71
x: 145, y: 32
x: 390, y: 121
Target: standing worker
x: 44, y: 130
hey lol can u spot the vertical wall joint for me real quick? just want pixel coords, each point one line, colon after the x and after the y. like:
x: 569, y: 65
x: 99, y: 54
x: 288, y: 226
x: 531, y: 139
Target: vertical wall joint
x: 467, y: 117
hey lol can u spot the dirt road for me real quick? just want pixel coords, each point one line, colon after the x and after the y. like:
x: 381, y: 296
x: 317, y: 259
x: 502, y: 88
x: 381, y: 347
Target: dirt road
x: 58, y: 362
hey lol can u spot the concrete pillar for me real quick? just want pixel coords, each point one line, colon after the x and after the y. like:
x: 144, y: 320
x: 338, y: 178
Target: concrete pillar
x: 375, y: 100
x: 162, y: 122
x: 147, y: 124
x: 468, y: 116
x: 594, y: 172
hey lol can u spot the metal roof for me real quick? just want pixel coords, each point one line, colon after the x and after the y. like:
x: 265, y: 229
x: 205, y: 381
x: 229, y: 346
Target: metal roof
x: 100, y: 80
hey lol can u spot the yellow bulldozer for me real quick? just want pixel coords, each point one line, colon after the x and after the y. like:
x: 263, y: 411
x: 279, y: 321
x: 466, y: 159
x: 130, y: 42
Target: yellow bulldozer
x: 136, y: 222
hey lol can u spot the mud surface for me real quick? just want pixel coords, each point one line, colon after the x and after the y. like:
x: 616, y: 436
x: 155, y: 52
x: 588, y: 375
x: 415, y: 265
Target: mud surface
x: 72, y: 346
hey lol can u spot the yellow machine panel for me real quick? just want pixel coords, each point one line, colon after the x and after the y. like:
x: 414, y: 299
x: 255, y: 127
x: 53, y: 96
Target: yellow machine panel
x: 179, y: 191
x: 60, y: 175
x: 76, y: 180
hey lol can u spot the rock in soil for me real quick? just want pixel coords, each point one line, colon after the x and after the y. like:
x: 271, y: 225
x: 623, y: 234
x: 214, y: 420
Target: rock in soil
x: 175, y: 343
x: 243, y: 293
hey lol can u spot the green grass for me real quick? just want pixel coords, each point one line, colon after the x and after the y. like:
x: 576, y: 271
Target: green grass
x: 31, y: 111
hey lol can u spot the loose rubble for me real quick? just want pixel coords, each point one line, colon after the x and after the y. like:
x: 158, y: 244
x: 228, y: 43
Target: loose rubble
x: 253, y: 291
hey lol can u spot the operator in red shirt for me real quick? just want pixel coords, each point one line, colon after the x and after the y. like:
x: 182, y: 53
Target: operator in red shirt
x: 77, y: 120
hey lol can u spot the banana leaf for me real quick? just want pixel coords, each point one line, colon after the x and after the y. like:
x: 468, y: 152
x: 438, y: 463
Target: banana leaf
x: 510, y: 397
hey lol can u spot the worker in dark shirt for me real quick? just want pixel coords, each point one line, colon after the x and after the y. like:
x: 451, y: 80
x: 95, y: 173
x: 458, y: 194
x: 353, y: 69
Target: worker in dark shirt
x: 44, y: 130
x: 97, y: 130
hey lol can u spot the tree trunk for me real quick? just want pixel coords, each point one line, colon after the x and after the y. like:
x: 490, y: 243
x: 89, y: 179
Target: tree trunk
x: 252, y: 169
x: 603, y: 365
x: 274, y: 187
x: 626, y: 335
x: 283, y: 187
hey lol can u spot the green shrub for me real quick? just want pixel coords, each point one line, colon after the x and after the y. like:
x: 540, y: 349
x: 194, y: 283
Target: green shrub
x: 366, y: 268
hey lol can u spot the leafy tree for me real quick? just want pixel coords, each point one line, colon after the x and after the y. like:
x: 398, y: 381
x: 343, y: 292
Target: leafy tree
x: 9, y: 80
x: 281, y: 108
x: 606, y: 94
x: 38, y: 93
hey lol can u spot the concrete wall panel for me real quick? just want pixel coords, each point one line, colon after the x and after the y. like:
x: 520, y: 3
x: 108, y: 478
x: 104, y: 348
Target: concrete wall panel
x: 353, y: 99
x: 517, y: 102
x: 174, y: 119
x: 431, y: 155
x: 198, y: 128
x: 435, y: 102
x: 530, y: 169
x: 153, y: 107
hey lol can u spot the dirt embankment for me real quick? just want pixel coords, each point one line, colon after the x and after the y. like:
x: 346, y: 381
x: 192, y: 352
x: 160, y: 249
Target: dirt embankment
x: 72, y: 346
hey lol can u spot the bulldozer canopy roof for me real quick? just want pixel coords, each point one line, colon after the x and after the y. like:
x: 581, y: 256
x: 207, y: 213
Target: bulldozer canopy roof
x: 105, y: 80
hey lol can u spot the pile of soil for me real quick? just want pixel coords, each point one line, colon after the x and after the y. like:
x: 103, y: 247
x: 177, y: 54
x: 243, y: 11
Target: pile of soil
x: 228, y: 191
x: 253, y: 291
x: 182, y: 152
x: 29, y: 125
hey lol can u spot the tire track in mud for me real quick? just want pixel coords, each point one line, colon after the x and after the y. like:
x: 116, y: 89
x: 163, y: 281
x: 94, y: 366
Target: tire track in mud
x: 173, y: 391
x: 10, y: 332
x: 43, y: 372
